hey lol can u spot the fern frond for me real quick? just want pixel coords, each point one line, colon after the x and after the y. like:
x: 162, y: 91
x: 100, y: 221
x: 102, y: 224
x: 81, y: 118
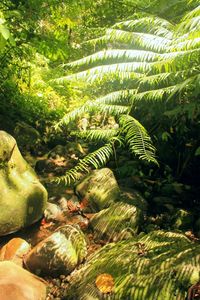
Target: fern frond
x: 114, y: 110
x: 118, y: 97
x: 166, y: 79
x: 150, y: 24
x: 186, y: 84
x: 101, y: 104
x: 154, y: 95
x: 137, y: 138
x: 114, y: 69
x: 115, y: 54
x: 90, y: 106
x: 185, y: 44
x: 123, y: 70
x: 189, y: 25
x: 145, y: 41
x: 95, y: 160
x: 192, y: 14
x: 96, y: 134
x: 74, y: 114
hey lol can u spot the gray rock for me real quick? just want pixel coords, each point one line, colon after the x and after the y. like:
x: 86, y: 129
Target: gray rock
x: 60, y: 253
x: 23, y: 198
x: 99, y: 188
x: 119, y: 221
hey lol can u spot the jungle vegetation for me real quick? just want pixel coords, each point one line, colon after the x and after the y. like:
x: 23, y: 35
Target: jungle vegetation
x: 128, y: 70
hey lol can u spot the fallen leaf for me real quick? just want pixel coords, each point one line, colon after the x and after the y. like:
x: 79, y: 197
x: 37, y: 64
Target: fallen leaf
x: 72, y: 207
x: 84, y: 203
x: 105, y: 283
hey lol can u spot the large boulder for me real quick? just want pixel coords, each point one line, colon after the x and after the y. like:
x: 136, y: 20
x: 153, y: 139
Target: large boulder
x: 19, y: 284
x: 99, y: 189
x: 23, y: 197
x: 117, y: 222
x: 60, y: 253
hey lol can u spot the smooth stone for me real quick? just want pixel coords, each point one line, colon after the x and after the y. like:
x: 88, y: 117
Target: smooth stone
x: 14, y: 251
x: 19, y: 284
x: 23, y: 197
x: 60, y: 253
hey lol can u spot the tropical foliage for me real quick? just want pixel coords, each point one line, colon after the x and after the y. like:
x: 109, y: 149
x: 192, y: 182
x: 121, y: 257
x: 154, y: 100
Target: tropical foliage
x: 151, y: 61
x: 159, y: 265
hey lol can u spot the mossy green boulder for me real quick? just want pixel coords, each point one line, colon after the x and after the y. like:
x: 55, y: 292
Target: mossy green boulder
x: 99, y: 189
x: 119, y: 221
x: 23, y: 198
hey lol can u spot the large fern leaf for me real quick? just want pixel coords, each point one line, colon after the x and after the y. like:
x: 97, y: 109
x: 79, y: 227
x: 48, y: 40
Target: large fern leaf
x: 149, y: 59
x: 95, y: 160
x: 137, y: 138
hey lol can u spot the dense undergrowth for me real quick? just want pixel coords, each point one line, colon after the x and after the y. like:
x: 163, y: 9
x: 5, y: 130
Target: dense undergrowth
x: 142, y: 76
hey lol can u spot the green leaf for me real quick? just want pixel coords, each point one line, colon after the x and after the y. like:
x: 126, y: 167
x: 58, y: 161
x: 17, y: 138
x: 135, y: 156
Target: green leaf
x: 197, y: 152
x: 4, y: 32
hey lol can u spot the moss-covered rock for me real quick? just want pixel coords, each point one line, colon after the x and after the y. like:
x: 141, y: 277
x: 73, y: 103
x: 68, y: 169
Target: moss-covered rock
x: 160, y: 265
x: 99, y: 189
x: 60, y: 253
x: 119, y: 221
x: 23, y: 197
x: 133, y: 197
x: 27, y: 137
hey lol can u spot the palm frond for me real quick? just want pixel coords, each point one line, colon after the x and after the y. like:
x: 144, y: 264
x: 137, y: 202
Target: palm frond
x: 137, y: 138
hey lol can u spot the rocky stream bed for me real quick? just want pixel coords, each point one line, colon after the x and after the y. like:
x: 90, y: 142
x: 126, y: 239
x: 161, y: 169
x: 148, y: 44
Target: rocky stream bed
x: 94, y: 241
